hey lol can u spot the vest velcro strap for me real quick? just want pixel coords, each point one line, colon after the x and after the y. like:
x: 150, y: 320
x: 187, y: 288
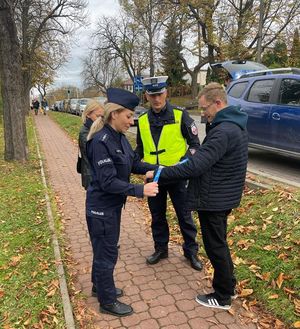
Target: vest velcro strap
x: 158, y: 152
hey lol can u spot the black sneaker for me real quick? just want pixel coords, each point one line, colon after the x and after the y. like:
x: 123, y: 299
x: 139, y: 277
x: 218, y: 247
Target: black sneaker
x: 210, y: 300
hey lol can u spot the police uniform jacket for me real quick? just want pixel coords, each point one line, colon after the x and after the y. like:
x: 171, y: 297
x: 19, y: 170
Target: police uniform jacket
x: 86, y: 175
x: 166, y: 116
x: 112, y: 160
x: 218, y: 168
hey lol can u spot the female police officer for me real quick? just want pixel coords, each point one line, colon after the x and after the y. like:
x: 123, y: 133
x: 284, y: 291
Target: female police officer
x: 112, y: 160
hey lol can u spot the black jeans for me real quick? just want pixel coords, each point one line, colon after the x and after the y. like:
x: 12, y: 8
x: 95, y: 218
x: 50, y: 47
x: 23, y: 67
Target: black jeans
x: 214, y: 234
x: 160, y: 227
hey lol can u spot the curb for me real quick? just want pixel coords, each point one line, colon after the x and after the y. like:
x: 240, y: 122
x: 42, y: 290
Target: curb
x: 67, y: 307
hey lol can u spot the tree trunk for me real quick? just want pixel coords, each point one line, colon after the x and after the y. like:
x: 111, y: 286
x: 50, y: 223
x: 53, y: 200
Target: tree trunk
x: 10, y: 71
x: 194, y: 84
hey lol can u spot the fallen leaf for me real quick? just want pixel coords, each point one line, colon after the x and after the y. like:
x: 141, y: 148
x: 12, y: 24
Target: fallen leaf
x: 275, y: 296
x: 276, y: 235
x: 275, y: 209
x: 1, y: 293
x: 297, y: 324
x: 279, y: 280
x: 246, y: 292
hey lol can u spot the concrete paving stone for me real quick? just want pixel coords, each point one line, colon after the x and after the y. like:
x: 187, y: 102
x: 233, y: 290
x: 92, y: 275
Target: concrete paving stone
x: 156, y: 284
x: 218, y: 326
x: 199, y: 323
x: 148, y: 295
x: 184, y: 326
x: 172, y: 326
x: 225, y: 317
x: 184, y: 287
x: 173, y: 289
x: 140, y: 306
x: 178, y: 317
x: 185, y: 305
x: 164, y: 322
x: 123, y: 276
x: 134, y: 298
x: 140, y: 280
x: 148, y: 324
x: 131, y: 321
x: 131, y: 290
x: 158, y: 312
x: 144, y: 316
x: 162, y: 275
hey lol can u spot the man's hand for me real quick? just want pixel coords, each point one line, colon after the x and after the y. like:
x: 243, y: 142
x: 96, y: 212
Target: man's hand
x: 150, y: 189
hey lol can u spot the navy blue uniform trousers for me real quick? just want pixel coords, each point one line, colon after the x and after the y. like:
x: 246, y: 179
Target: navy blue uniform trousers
x: 104, y: 230
x: 160, y: 227
x: 214, y: 235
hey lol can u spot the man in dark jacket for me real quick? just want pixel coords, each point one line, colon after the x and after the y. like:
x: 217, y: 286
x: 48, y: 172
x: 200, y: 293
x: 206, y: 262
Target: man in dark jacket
x: 218, y: 171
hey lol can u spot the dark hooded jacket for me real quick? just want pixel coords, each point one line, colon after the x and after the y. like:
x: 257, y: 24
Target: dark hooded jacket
x: 217, y: 170
x: 86, y: 176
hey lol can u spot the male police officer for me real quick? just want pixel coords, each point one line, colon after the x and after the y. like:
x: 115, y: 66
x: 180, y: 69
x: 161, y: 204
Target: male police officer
x: 162, y: 135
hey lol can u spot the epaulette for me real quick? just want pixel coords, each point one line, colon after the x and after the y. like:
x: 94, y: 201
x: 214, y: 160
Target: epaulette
x: 103, y: 138
x: 180, y: 108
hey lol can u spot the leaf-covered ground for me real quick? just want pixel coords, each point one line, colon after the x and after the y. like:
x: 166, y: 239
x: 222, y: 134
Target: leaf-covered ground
x: 29, y: 287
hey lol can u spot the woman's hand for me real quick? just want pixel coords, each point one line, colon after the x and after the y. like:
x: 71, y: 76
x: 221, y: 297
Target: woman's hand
x: 150, y: 189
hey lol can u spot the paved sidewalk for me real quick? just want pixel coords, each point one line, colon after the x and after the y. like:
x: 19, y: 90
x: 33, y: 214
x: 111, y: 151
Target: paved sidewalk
x: 163, y: 295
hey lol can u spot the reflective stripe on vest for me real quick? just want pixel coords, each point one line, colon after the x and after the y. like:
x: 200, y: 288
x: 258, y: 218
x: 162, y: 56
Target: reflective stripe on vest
x: 171, y: 144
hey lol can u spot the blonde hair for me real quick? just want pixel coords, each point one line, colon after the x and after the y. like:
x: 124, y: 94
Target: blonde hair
x: 100, y: 122
x: 213, y: 91
x: 91, y: 106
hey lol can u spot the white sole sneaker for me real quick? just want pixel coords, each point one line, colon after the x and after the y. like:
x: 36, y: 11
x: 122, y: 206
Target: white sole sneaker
x: 211, y: 302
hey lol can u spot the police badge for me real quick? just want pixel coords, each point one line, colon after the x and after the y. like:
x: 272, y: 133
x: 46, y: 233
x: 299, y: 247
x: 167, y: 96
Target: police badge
x: 194, y: 129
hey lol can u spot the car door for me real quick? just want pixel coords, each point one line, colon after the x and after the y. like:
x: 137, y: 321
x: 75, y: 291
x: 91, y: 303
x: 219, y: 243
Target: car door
x: 258, y: 107
x: 285, y: 116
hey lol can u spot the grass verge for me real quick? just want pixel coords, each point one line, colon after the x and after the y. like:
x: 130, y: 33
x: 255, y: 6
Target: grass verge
x: 29, y: 286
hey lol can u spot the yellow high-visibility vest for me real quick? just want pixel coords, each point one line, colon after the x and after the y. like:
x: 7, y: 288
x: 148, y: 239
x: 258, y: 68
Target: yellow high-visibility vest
x: 171, y: 145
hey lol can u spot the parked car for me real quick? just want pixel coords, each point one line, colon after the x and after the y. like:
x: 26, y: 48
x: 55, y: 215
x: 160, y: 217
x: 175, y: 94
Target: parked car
x: 138, y: 110
x: 101, y: 99
x: 271, y: 98
x: 56, y: 105
x: 81, y: 104
x: 61, y: 106
x: 73, y: 105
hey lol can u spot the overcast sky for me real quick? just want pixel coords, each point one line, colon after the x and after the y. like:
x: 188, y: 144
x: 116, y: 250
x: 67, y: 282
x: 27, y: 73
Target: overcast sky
x: 69, y: 74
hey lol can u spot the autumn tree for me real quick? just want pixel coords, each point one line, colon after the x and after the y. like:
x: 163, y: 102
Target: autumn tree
x: 149, y: 15
x: 278, y: 56
x: 100, y: 69
x: 294, y: 59
x: 45, y: 26
x: 171, y: 51
x: 121, y: 38
x: 10, y: 72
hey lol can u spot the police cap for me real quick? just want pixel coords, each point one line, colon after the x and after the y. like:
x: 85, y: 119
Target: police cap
x: 155, y: 85
x: 122, y: 97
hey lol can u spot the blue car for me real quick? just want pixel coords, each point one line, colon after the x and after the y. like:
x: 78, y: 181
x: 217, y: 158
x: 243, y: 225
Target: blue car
x: 271, y: 98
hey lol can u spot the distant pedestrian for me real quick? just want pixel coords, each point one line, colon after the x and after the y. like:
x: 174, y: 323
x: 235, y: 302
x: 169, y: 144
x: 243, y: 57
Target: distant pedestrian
x: 217, y: 172
x: 112, y: 160
x: 92, y: 111
x: 44, y: 105
x: 36, y: 106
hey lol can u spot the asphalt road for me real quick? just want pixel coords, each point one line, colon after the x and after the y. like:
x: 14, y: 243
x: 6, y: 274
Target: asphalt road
x: 284, y: 169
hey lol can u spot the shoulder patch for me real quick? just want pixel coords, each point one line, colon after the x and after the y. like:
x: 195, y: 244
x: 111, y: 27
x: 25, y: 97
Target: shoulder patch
x: 180, y: 108
x: 194, y: 128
